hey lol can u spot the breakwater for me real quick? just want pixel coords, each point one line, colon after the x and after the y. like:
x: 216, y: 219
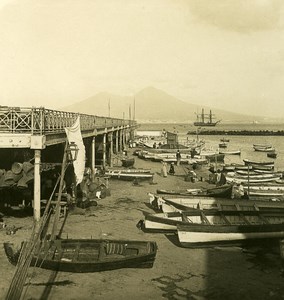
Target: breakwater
x: 239, y: 132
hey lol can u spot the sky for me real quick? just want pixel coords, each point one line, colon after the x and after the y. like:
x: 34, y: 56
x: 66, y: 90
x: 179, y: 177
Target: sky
x: 225, y: 54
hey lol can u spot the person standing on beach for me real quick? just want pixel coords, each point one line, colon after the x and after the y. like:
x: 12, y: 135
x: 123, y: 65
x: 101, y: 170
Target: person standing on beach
x: 178, y: 156
x: 164, y: 169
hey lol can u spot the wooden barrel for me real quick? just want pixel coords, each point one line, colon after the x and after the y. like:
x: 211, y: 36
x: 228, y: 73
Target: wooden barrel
x: 17, y: 168
x: 9, y: 178
x: 28, y: 167
x: 22, y: 183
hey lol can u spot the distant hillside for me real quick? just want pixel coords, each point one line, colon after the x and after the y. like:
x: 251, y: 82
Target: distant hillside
x: 152, y: 105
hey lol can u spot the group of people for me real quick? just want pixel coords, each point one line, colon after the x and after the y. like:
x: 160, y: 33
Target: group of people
x: 171, y: 171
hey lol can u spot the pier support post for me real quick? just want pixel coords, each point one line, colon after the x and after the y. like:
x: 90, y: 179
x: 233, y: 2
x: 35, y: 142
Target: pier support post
x: 116, y: 142
x: 104, y: 150
x: 110, y: 137
x: 93, y: 155
x: 36, y: 206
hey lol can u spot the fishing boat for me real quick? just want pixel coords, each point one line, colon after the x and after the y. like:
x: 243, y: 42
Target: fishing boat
x: 129, y: 176
x: 222, y: 145
x: 259, y: 163
x: 268, y: 148
x: 132, y: 170
x: 230, y: 228
x: 167, y: 204
x: 230, y: 152
x: 205, y: 119
x: 271, y: 154
x: 169, y: 222
x: 245, y: 179
x: 89, y: 255
x: 224, y: 140
x: 218, y: 191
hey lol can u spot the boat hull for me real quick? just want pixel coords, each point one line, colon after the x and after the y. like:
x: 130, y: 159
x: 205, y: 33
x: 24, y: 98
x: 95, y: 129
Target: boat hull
x: 205, y: 235
x: 84, y: 256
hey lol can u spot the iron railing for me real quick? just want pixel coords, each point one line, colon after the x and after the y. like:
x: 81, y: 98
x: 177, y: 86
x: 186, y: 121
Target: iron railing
x: 39, y: 120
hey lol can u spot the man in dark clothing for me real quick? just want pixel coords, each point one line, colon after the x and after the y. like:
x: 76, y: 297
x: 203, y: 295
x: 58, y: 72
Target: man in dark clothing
x: 178, y: 156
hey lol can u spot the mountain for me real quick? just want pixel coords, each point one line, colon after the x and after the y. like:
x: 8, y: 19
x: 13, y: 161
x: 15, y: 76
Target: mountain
x: 152, y: 105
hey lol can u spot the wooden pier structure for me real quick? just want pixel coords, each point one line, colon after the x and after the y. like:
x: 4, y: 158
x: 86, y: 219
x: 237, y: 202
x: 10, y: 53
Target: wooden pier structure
x: 38, y: 134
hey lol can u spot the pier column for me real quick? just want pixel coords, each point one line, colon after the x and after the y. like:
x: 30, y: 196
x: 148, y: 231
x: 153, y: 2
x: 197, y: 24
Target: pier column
x: 116, y: 141
x: 104, y: 150
x: 110, y: 138
x: 93, y: 155
x: 36, y: 205
x: 121, y: 140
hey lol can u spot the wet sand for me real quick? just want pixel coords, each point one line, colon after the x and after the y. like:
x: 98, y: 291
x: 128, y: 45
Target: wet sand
x: 178, y: 273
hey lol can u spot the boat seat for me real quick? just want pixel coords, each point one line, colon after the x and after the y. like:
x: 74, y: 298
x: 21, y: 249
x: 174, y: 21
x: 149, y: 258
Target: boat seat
x: 115, y: 248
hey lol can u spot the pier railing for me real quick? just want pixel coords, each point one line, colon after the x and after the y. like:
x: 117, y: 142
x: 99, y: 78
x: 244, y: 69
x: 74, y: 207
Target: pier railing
x: 43, y: 121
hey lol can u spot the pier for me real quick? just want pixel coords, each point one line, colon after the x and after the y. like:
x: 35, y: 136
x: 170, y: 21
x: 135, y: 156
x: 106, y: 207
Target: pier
x: 36, y: 135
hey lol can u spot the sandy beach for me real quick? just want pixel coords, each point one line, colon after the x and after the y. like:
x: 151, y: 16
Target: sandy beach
x: 178, y: 273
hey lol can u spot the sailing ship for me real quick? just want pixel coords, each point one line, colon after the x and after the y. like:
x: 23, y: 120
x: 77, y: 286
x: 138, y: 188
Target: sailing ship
x: 205, y: 119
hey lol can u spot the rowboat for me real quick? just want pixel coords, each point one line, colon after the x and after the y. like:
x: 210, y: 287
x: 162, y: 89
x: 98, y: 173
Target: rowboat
x: 261, y: 163
x: 225, y: 140
x: 230, y: 228
x: 230, y: 152
x: 246, y: 179
x: 188, y: 204
x: 132, y: 170
x: 168, y: 222
x: 223, y: 145
x: 272, y: 154
x: 233, y: 167
x: 180, y: 192
x: 262, y: 145
x: 263, y: 149
x: 129, y: 175
x: 89, y: 255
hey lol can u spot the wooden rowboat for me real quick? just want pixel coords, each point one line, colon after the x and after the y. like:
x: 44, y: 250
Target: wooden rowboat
x: 187, y: 204
x: 224, y: 229
x: 89, y: 255
x: 168, y: 222
x: 265, y: 163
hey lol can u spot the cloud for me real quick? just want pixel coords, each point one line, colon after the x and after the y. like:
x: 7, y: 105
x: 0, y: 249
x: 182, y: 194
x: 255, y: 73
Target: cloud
x: 239, y: 15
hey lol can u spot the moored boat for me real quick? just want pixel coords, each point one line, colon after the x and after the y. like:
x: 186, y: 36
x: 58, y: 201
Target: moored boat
x: 230, y: 152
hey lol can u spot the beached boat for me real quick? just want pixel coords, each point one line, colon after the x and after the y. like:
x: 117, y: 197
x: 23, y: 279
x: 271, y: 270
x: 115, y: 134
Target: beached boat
x: 230, y: 228
x: 218, y: 191
x: 168, y: 222
x: 187, y: 204
x: 132, y: 170
x: 180, y: 192
x: 230, y: 152
x: 233, y: 177
x: 223, y: 145
x: 129, y: 175
x: 259, y: 163
x: 89, y: 255
x: 271, y: 154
